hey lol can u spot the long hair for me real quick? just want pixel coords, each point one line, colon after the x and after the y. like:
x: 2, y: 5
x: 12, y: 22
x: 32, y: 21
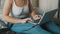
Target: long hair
x: 29, y: 5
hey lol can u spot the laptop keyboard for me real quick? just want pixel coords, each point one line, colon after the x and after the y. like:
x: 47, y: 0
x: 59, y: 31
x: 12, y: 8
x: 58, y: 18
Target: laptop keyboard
x: 36, y: 21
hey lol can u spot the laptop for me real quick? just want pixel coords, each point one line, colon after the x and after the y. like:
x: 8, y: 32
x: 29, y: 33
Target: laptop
x: 46, y: 17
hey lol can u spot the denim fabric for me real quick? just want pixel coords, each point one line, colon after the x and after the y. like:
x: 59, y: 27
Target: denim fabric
x: 21, y: 27
x: 52, y: 27
x: 37, y: 30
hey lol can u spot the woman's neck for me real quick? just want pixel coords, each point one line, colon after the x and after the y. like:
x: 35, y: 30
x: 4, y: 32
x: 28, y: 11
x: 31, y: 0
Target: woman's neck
x: 20, y: 3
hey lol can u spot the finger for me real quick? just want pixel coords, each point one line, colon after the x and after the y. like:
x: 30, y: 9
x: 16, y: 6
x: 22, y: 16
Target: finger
x: 39, y: 15
x: 24, y: 22
x: 36, y: 16
x: 30, y: 19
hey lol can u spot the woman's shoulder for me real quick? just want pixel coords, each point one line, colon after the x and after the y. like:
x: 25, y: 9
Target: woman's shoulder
x: 9, y: 1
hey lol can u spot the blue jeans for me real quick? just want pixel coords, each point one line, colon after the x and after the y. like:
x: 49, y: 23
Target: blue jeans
x: 23, y: 28
x: 37, y: 30
x: 52, y: 27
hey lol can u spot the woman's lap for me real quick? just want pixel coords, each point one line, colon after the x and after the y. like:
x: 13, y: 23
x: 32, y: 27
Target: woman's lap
x: 35, y: 30
x: 21, y: 27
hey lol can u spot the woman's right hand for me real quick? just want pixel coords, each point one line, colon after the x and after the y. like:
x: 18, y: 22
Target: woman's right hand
x: 25, y: 20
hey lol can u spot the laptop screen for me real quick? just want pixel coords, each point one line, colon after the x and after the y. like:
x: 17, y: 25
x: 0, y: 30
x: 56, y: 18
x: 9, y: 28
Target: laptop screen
x: 48, y: 16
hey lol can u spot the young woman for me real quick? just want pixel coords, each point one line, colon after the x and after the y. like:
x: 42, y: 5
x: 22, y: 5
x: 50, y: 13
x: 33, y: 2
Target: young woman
x: 20, y: 10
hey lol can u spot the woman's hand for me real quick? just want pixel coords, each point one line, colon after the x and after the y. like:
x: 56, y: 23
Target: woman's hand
x: 25, y: 20
x: 36, y: 17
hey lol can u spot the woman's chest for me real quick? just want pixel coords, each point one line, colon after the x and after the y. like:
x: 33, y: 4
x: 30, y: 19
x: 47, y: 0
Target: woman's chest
x: 20, y: 2
x: 20, y: 10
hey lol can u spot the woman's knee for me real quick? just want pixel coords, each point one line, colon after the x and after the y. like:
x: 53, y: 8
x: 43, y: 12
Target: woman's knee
x: 39, y: 30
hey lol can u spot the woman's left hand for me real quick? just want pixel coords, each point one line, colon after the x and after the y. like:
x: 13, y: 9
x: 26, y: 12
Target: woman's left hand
x: 36, y: 17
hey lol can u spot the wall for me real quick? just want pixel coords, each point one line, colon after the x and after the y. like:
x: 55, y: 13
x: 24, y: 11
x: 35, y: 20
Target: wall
x: 1, y: 7
x: 47, y: 5
x: 0, y: 3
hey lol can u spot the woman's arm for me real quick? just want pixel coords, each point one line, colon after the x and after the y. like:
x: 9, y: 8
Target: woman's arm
x: 33, y: 13
x: 6, y: 11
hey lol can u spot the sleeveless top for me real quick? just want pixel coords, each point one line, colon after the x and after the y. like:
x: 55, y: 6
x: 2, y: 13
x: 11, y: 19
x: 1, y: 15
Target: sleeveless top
x: 19, y: 12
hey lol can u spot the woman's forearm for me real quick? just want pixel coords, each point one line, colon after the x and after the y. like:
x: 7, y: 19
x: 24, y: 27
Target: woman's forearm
x: 33, y: 13
x: 11, y: 19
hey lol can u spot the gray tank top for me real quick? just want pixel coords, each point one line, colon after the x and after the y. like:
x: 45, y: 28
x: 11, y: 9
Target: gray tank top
x: 19, y: 12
